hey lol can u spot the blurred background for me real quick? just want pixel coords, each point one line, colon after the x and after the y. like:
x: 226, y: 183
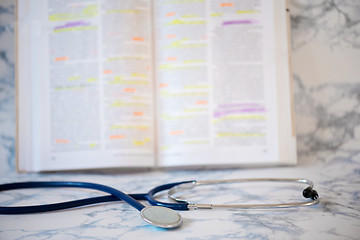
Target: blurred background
x: 325, y: 36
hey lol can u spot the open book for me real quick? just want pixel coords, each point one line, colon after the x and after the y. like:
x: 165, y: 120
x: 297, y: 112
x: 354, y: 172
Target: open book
x: 124, y: 83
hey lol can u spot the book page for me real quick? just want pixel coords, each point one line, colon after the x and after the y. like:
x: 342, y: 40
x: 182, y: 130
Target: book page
x: 216, y: 82
x: 89, y: 65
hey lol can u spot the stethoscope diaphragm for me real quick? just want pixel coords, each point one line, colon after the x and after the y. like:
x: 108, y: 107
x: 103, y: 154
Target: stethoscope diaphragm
x: 161, y: 216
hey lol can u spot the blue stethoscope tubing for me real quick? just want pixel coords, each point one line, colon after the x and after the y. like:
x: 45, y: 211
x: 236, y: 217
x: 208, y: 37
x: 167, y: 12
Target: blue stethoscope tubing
x: 115, y: 195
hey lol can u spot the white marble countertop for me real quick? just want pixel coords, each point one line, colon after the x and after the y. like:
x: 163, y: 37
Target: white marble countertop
x: 325, y: 59
x: 336, y: 217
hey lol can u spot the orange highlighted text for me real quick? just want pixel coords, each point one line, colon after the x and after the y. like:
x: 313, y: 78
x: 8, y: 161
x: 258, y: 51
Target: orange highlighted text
x: 62, y: 141
x: 59, y: 59
x: 129, y: 90
x: 138, y: 39
x: 177, y: 132
x: 107, y: 71
x: 226, y: 5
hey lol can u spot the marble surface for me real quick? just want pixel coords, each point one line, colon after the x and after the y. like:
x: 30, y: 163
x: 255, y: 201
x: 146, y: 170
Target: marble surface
x: 325, y: 59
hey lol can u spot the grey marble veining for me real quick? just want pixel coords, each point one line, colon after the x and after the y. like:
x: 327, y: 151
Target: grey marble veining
x: 336, y: 21
x: 7, y: 86
x: 326, y: 80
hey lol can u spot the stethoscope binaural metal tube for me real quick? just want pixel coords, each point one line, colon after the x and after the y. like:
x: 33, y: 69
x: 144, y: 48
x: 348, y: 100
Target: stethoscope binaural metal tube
x: 307, y: 193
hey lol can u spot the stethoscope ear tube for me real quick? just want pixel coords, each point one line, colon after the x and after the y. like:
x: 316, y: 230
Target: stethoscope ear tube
x: 116, y: 195
x: 57, y: 206
x: 158, y: 215
x: 150, y: 196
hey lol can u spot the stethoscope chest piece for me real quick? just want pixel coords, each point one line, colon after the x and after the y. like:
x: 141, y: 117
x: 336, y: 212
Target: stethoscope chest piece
x: 161, y: 216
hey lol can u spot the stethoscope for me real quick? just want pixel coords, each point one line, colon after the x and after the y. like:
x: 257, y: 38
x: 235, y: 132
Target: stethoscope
x: 159, y: 213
